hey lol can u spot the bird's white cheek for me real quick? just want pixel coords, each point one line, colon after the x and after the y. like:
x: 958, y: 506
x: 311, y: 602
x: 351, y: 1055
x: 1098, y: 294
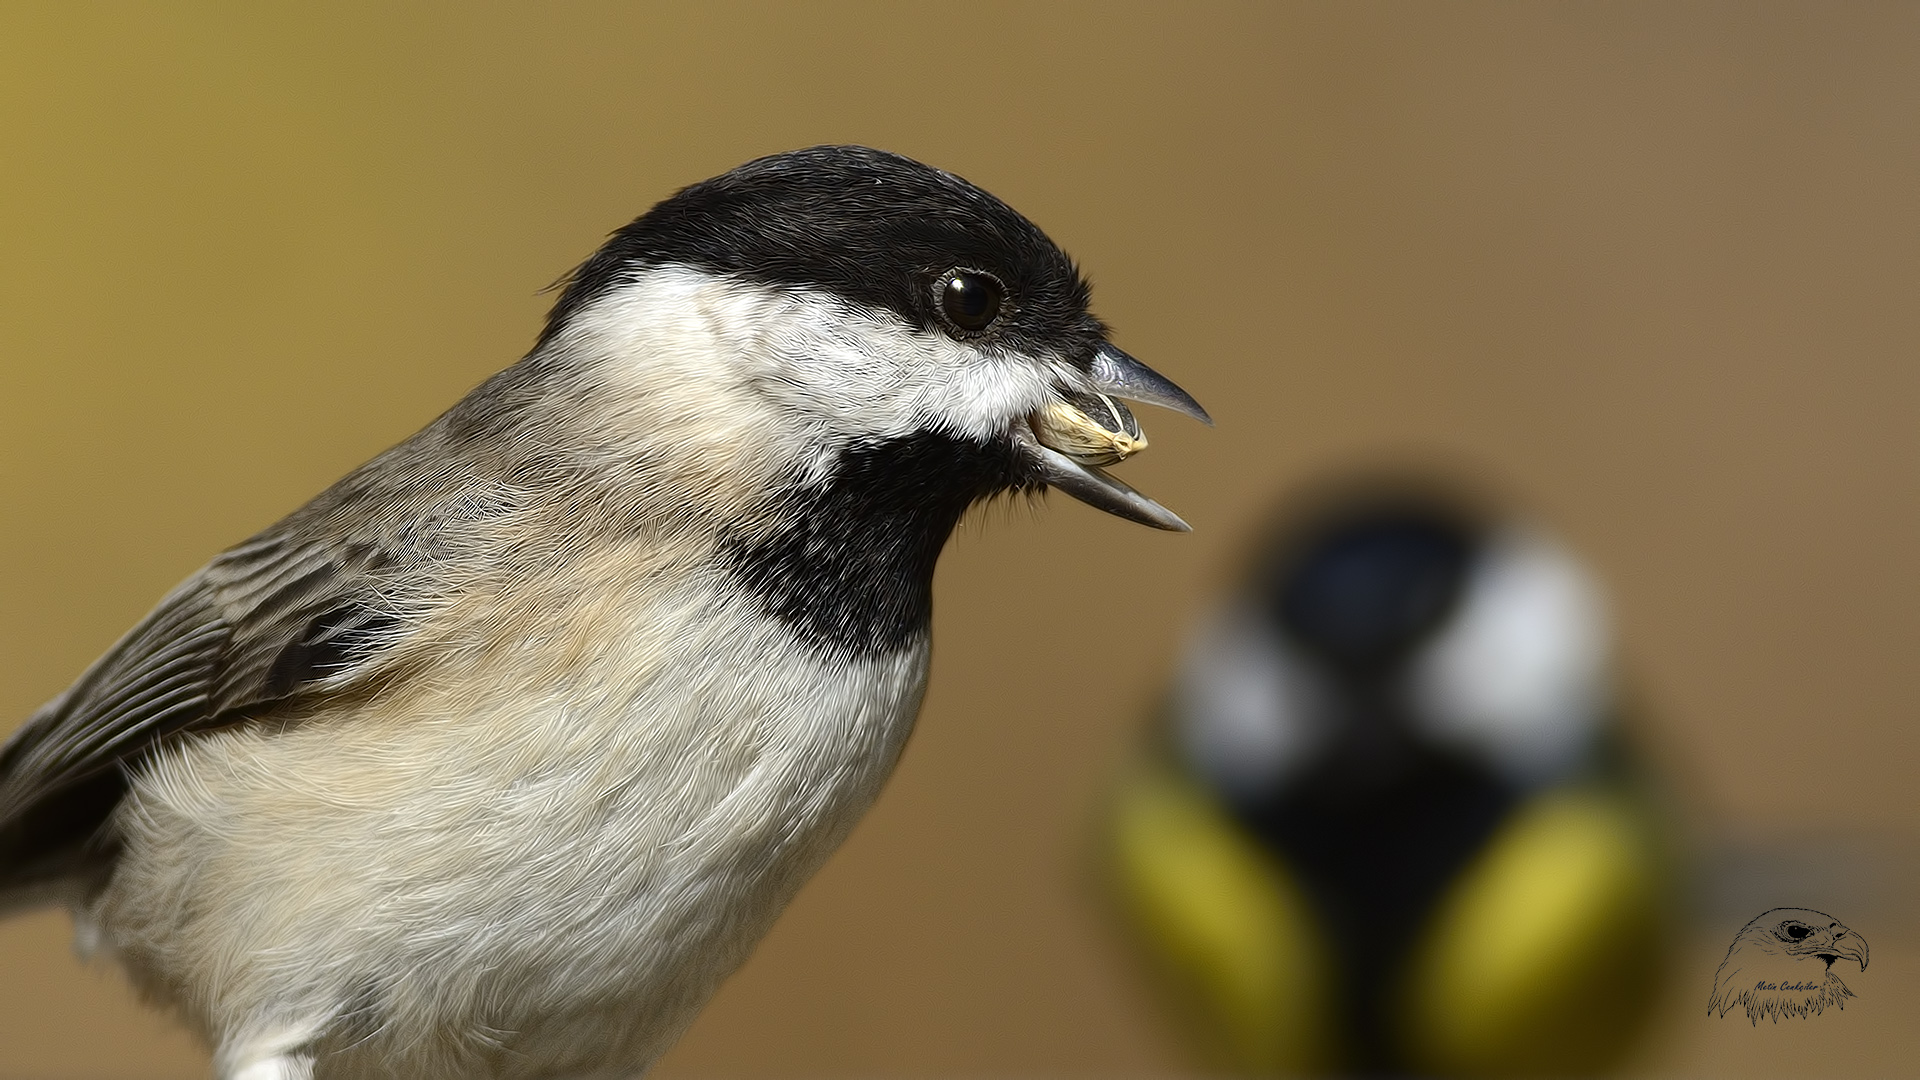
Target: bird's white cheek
x: 663, y: 356
x: 981, y: 396
x: 864, y: 374
x: 793, y: 369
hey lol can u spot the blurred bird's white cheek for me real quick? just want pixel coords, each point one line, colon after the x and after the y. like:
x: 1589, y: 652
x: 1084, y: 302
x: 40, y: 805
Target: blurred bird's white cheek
x: 1248, y: 708
x: 1519, y: 679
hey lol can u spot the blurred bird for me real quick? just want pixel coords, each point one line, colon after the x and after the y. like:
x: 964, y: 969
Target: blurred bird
x: 1781, y: 964
x: 1388, y: 826
x: 495, y: 758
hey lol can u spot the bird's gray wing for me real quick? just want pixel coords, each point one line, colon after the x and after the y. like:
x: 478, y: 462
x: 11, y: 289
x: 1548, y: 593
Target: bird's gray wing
x: 266, y: 621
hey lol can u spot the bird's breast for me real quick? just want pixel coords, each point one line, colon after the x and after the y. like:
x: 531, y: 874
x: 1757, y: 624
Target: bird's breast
x: 607, y: 804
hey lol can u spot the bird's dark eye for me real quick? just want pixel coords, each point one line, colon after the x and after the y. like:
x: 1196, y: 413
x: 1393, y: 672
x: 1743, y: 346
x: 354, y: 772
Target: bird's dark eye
x: 1796, y: 931
x: 970, y: 300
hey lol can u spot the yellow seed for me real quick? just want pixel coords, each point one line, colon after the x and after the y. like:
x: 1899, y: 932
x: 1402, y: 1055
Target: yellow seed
x: 1066, y: 428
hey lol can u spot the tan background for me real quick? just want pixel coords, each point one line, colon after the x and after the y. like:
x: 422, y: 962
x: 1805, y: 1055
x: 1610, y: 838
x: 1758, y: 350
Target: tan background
x: 1654, y: 269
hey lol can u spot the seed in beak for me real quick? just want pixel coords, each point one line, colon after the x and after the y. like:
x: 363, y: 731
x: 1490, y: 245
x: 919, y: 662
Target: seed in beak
x: 1092, y: 429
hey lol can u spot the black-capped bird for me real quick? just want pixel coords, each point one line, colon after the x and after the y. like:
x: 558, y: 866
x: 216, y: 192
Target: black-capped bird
x: 496, y: 757
x: 1781, y: 964
x: 1387, y: 827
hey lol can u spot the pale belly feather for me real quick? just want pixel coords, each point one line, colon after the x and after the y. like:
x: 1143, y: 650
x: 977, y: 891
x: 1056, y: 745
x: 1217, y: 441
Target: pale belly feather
x: 542, y: 872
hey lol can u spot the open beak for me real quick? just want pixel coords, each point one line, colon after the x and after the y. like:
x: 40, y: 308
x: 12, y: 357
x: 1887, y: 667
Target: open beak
x: 1847, y: 944
x: 1120, y: 375
x: 1068, y: 442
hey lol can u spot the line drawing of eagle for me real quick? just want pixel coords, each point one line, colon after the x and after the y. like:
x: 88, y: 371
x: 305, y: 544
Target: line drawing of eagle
x: 1781, y: 964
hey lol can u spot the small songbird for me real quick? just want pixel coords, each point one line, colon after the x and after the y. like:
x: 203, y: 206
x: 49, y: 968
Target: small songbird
x: 1389, y: 824
x: 1781, y: 964
x: 498, y: 756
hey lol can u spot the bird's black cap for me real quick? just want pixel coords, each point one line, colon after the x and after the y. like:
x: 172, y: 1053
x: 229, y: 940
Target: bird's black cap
x: 870, y: 227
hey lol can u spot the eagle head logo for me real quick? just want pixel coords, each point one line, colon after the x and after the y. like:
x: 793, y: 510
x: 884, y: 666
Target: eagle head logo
x: 1781, y: 964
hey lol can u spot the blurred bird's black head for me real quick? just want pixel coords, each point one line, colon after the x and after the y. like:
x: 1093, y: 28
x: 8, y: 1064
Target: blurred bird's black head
x: 1369, y: 581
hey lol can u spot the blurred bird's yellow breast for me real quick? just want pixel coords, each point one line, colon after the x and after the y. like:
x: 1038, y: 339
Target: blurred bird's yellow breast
x: 1224, y: 921
x: 1545, y: 948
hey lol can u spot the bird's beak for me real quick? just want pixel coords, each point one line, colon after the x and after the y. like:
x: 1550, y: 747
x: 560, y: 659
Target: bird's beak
x: 1850, y: 945
x: 1068, y: 442
x: 1121, y: 376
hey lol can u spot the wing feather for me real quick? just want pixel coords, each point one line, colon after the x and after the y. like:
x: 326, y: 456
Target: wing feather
x: 311, y: 605
x: 255, y: 627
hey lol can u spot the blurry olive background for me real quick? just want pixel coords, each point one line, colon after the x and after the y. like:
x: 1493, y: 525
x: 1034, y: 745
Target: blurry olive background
x: 1652, y: 269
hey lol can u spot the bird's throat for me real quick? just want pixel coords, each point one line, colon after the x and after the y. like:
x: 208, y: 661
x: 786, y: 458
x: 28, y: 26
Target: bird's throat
x: 850, y: 566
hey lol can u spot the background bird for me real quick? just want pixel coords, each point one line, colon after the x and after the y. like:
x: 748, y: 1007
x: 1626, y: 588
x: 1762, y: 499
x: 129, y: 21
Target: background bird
x: 495, y: 758
x: 1388, y: 824
x: 1781, y: 964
